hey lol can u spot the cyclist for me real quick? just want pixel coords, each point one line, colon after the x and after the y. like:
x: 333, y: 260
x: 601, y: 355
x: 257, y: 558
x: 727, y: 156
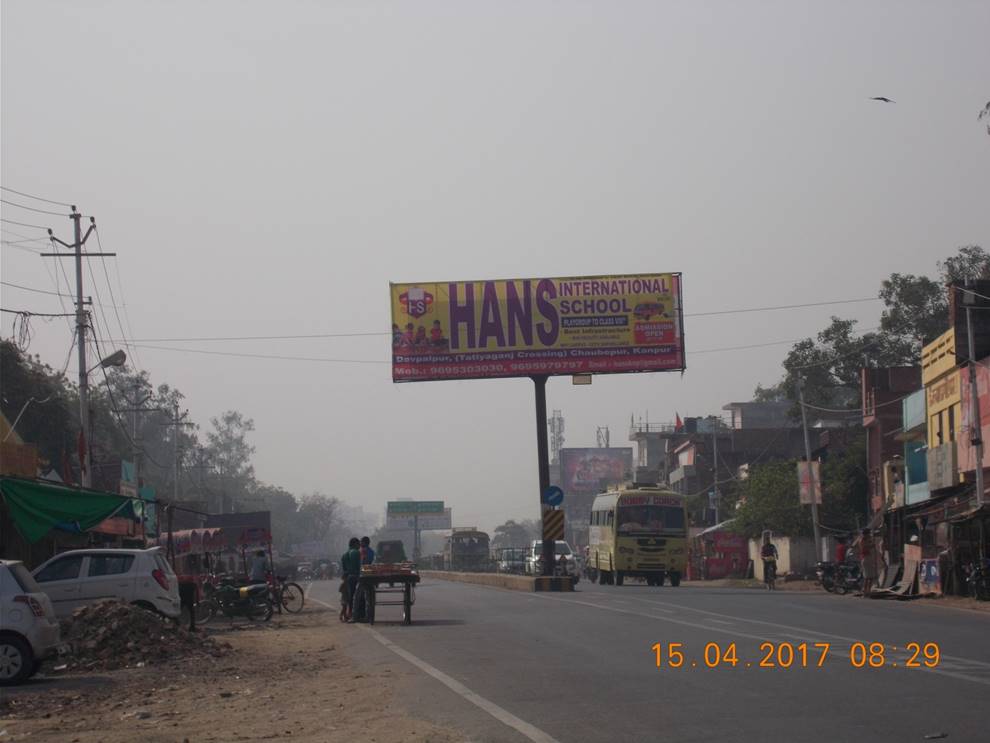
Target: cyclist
x: 768, y: 553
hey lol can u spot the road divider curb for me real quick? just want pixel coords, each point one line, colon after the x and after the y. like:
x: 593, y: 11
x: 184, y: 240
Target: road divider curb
x: 502, y: 580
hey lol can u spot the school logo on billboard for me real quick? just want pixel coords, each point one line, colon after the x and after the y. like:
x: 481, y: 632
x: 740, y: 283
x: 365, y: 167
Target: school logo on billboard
x: 416, y: 301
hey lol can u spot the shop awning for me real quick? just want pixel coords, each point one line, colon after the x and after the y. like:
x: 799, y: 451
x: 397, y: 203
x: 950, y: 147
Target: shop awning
x: 38, y: 507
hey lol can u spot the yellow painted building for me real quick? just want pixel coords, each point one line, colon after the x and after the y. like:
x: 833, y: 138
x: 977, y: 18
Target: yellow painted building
x: 941, y: 378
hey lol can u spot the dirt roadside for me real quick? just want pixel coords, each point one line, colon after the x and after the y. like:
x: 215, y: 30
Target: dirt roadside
x: 287, y: 679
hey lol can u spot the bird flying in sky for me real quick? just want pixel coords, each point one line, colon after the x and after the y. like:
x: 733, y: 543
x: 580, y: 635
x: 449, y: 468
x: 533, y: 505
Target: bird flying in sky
x: 881, y: 98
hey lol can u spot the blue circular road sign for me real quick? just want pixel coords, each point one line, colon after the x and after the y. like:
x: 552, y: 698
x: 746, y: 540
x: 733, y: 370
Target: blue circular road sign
x: 553, y: 496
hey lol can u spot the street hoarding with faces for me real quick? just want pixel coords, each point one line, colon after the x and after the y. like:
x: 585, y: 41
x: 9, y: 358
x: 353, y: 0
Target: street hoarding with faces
x: 539, y: 326
x: 590, y: 471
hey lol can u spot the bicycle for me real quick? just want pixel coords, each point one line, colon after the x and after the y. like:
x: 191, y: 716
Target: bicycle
x: 770, y: 574
x: 286, y: 594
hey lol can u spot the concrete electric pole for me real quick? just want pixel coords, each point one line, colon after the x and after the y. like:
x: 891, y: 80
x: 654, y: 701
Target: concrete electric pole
x: 811, y: 479
x: 82, y: 323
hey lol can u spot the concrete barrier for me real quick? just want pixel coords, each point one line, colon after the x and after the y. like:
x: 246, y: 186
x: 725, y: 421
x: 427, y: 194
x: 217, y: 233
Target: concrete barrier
x: 503, y: 580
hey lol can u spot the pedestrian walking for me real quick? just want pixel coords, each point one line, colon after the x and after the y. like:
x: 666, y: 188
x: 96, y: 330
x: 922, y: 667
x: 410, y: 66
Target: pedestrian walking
x: 367, y: 557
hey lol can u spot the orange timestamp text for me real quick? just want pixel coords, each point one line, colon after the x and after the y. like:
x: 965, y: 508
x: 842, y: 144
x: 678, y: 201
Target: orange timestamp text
x: 799, y: 655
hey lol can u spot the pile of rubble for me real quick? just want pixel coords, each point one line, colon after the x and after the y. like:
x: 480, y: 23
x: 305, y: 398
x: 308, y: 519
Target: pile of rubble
x: 112, y: 634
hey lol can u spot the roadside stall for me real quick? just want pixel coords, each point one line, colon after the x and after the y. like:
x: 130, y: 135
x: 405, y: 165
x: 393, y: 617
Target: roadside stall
x: 717, y: 552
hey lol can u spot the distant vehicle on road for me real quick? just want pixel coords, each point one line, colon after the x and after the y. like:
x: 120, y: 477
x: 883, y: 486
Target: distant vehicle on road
x: 141, y: 577
x: 511, y: 559
x: 638, y: 532
x: 534, y: 561
x: 29, y: 630
x: 467, y: 550
x: 390, y: 550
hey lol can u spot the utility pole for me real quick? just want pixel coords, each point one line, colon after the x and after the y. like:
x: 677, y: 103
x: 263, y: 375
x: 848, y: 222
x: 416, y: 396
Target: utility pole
x: 715, y: 464
x: 811, y: 479
x: 176, y: 423
x: 82, y: 322
x: 975, y: 428
x: 137, y: 407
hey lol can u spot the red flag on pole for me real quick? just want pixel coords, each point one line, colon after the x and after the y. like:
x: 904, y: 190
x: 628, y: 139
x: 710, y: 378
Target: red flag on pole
x: 678, y: 423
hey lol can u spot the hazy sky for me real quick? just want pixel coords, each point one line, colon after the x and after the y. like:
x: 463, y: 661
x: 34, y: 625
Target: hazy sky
x: 267, y: 169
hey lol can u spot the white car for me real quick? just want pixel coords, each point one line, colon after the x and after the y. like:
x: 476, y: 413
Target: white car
x: 29, y: 631
x: 79, y: 577
x: 534, y: 561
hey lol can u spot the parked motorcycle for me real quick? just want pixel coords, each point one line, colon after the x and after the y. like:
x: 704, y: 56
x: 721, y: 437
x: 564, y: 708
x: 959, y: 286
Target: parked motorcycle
x: 253, y: 602
x: 848, y: 577
x: 825, y: 573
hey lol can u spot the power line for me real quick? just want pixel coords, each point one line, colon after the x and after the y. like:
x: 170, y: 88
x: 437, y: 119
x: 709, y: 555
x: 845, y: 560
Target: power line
x: 28, y: 313
x: 36, y: 198
x: 23, y: 224
x: 261, y: 356
x: 261, y: 337
x: 40, y: 291
x: 32, y: 209
x: 31, y: 289
x: 782, y: 307
x: 113, y: 300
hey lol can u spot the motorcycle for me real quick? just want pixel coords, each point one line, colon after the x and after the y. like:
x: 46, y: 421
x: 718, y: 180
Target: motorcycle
x: 848, y: 577
x: 825, y: 573
x: 253, y: 602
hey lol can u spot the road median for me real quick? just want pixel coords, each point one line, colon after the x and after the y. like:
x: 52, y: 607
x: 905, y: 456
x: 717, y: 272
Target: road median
x: 503, y: 580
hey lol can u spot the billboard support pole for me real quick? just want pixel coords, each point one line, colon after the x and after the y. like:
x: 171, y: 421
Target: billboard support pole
x: 543, y: 458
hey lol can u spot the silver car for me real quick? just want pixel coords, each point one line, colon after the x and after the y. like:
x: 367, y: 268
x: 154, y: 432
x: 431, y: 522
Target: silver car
x: 29, y: 631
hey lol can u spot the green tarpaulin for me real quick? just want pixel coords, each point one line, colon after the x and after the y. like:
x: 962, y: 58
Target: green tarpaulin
x: 38, y: 507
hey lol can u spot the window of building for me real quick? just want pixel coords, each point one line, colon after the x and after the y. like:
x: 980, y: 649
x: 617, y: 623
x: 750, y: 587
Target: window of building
x: 952, y: 423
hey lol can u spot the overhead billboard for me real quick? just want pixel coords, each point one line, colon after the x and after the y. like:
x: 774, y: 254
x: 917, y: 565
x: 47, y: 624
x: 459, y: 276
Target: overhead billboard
x: 424, y: 522
x: 539, y: 326
x: 414, y: 506
x: 590, y: 471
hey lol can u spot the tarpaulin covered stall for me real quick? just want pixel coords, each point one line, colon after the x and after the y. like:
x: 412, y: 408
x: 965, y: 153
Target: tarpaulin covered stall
x: 38, y: 507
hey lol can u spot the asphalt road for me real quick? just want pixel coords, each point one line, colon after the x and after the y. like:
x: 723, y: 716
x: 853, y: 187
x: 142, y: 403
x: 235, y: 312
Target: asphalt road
x: 511, y: 666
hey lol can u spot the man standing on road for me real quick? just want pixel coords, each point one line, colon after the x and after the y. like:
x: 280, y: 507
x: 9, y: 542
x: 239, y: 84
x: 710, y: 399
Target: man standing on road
x: 350, y: 568
x: 367, y: 557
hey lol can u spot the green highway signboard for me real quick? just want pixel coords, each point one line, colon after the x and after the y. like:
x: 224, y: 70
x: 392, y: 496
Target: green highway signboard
x: 415, y: 506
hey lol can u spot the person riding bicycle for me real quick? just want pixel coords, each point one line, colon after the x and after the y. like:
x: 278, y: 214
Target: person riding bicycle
x: 768, y: 553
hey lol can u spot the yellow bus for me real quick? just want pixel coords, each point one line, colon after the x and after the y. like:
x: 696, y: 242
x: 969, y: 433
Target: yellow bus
x: 638, y: 532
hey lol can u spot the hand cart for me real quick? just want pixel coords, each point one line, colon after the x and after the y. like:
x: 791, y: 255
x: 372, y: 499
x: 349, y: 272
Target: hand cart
x: 393, y: 579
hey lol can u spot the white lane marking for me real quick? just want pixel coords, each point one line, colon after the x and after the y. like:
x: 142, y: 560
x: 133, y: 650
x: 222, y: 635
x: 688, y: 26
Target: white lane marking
x: 720, y: 621
x: 734, y: 618
x: 522, y: 727
x: 738, y: 633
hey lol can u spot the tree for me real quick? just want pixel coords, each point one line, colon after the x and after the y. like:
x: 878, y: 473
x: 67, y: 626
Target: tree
x: 230, y: 453
x: 45, y: 398
x: 770, y: 495
x: 317, y: 516
x: 915, y: 311
x: 770, y: 502
x: 516, y: 533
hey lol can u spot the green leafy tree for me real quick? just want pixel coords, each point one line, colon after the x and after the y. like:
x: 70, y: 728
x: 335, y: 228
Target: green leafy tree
x: 770, y: 502
x: 915, y: 311
x: 44, y: 399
